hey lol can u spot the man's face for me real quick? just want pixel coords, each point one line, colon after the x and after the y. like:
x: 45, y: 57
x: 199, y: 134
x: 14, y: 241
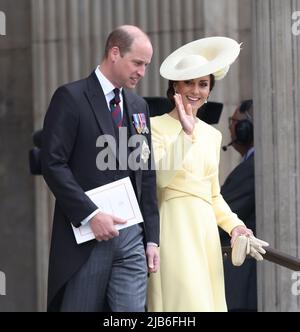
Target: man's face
x: 131, y: 67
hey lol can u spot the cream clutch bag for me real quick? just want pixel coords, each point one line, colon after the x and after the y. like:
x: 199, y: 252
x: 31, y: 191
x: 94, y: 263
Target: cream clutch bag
x: 239, y: 250
x: 247, y: 245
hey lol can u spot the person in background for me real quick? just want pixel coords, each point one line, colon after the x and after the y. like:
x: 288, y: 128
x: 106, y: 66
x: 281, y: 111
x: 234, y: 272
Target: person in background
x: 110, y: 272
x: 191, y: 206
x: 238, y: 191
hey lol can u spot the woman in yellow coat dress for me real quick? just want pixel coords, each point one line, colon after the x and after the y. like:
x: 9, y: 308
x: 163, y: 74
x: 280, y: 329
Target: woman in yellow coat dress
x: 186, y: 152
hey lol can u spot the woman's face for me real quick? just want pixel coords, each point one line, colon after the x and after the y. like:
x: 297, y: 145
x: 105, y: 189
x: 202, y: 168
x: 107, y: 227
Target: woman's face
x: 194, y: 92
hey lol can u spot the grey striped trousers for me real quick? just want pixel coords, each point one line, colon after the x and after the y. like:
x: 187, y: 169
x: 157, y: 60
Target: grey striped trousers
x: 114, y: 278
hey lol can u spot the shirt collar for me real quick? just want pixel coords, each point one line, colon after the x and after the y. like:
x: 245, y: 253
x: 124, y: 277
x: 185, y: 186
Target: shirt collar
x: 106, y: 85
x: 248, y: 153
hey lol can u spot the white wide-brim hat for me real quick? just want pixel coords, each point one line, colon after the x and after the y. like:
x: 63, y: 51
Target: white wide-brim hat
x: 202, y: 57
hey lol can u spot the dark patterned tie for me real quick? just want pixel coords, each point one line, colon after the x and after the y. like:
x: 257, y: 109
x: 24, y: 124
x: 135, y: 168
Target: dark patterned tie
x: 115, y: 108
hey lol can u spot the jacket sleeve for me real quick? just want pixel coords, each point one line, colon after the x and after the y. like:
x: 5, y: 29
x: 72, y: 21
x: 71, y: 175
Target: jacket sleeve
x: 59, y: 137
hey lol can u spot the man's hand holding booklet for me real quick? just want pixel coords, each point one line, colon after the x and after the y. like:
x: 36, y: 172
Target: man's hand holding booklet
x: 117, y: 199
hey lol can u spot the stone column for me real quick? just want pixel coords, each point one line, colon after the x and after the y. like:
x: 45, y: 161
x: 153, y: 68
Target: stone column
x: 276, y: 68
x: 17, y: 218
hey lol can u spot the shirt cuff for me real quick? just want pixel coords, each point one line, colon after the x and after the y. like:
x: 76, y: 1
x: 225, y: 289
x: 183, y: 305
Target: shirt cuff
x: 89, y: 217
x: 152, y: 244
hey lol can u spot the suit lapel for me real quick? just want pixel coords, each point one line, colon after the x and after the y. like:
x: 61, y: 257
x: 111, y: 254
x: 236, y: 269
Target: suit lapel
x: 99, y: 106
x: 96, y: 98
x: 131, y: 108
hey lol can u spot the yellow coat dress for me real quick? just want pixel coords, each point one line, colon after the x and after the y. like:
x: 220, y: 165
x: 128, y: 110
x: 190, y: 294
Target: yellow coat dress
x: 190, y: 277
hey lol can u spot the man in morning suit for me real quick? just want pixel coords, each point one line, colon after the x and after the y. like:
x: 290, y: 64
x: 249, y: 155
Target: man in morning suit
x: 110, y: 272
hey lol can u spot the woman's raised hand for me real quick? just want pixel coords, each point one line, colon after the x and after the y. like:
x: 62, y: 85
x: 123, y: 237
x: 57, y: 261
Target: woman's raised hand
x: 186, y: 116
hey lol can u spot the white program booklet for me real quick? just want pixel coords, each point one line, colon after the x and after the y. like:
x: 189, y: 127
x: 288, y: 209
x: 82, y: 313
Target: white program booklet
x: 116, y: 198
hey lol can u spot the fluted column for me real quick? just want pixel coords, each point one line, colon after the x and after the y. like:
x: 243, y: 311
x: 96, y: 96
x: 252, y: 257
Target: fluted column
x: 277, y: 142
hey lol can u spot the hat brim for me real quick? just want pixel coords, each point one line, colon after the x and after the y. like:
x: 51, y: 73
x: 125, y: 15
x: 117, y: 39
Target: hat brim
x: 220, y: 53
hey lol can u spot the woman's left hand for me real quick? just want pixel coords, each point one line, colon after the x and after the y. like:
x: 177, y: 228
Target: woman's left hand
x: 239, y: 230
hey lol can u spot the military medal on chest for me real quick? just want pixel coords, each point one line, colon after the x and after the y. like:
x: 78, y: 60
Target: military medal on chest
x: 140, y: 123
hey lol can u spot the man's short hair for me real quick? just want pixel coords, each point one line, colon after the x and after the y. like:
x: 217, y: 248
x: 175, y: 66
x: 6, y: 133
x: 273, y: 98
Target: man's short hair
x: 120, y: 38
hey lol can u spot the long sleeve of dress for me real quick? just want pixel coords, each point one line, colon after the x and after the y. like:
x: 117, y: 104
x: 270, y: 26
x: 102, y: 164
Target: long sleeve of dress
x: 226, y: 219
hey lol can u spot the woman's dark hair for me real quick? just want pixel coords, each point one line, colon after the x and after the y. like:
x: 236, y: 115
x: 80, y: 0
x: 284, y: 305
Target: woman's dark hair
x: 171, y: 90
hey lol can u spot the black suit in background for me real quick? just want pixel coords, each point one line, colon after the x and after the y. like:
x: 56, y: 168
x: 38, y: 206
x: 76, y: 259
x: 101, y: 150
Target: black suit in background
x: 238, y: 191
x: 77, y: 116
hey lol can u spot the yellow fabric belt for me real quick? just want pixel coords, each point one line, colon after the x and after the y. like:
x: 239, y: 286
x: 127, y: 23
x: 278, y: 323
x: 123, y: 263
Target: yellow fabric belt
x: 201, y: 190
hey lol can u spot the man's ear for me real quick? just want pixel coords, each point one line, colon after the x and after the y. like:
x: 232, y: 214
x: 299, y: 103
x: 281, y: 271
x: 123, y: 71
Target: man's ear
x: 114, y: 53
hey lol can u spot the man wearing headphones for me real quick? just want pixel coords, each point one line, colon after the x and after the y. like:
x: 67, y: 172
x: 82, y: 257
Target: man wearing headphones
x: 238, y: 191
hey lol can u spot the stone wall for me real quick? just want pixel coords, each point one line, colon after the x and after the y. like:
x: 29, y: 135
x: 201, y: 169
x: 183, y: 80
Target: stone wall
x: 17, y: 216
x: 277, y: 145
